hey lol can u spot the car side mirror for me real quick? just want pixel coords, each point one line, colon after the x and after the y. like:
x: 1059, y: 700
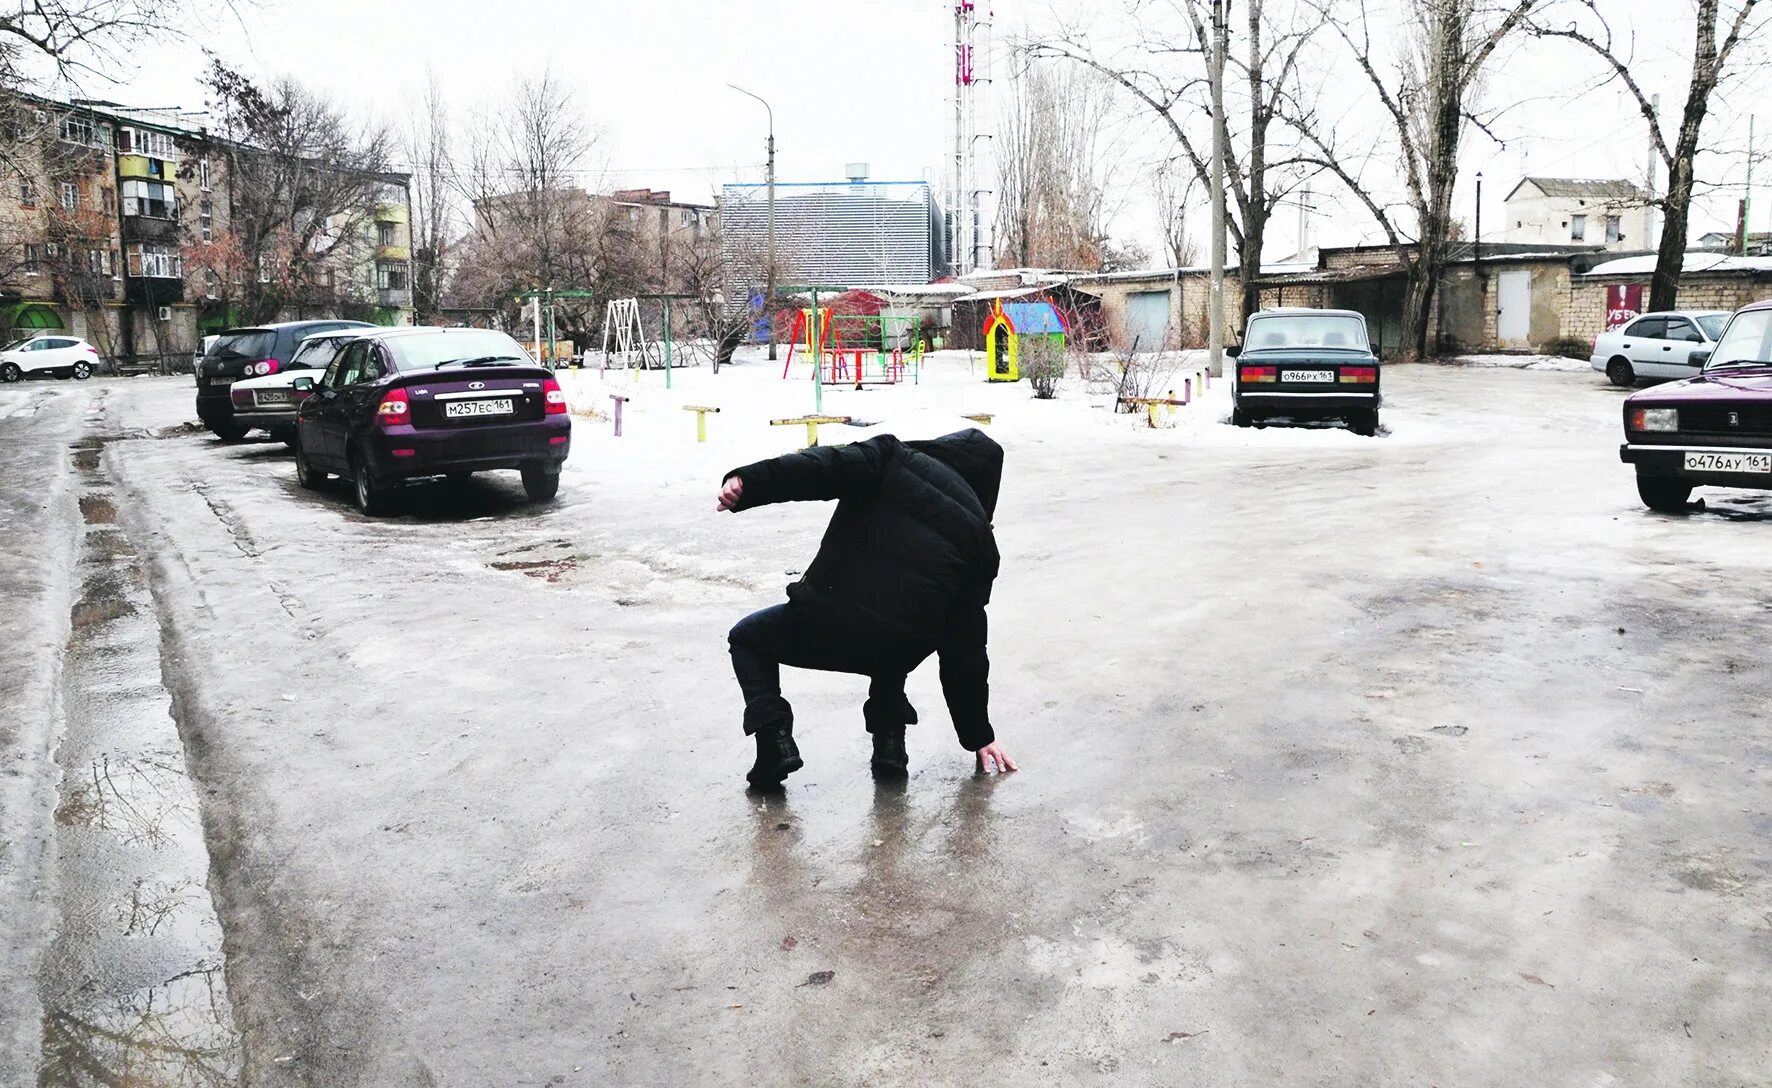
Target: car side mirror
x: 1699, y: 357
x: 302, y: 385
x: 1233, y: 350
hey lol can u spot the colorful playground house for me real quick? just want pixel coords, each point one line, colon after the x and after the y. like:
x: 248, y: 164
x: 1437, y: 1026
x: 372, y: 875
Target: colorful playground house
x: 1011, y: 323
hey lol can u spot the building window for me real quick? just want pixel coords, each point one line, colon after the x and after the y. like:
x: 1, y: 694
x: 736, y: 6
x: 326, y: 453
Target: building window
x: 390, y: 277
x: 1614, y: 229
x: 27, y: 191
x: 33, y: 254
x: 110, y: 200
x: 211, y: 281
x: 151, y: 259
x: 84, y: 130
x: 98, y: 262
x: 70, y: 197
x: 384, y: 234
x: 264, y: 269
x: 203, y: 173
x: 1577, y: 228
x: 206, y: 210
x: 154, y: 199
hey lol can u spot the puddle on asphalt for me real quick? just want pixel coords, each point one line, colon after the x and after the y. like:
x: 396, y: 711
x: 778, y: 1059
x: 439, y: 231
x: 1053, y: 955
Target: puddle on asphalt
x: 548, y: 570
x: 133, y: 986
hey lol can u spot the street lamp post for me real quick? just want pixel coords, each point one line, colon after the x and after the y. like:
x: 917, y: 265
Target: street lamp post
x: 769, y: 273
x: 1477, y: 250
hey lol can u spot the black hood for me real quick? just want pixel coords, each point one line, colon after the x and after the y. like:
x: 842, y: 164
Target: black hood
x: 977, y: 459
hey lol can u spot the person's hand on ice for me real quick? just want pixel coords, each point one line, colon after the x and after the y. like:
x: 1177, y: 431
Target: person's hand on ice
x: 992, y: 756
x: 730, y: 493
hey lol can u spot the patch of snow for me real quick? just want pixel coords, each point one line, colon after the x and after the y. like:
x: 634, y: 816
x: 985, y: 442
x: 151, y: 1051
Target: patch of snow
x: 1523, y: 362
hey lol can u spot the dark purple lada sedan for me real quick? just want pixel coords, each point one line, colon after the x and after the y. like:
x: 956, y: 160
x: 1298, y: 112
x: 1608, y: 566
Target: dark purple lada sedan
x: 405, y: 403
x: 1713, y: 429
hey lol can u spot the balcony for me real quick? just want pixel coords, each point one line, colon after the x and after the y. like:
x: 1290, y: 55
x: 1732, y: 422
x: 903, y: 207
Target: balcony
x: 393, y: 253
x: 154, y: 290
x: 148, y: 228
x: 393, y: 296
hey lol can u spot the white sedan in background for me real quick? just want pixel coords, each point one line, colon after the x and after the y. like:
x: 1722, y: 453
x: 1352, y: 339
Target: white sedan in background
x: 48, y: 356
x: 1657, y: 345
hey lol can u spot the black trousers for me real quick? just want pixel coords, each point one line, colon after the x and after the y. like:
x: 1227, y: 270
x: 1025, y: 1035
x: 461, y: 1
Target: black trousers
x: 763, y: 642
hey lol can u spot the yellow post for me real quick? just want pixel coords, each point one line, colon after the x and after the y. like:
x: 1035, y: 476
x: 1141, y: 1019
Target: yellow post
x: 701, y: 419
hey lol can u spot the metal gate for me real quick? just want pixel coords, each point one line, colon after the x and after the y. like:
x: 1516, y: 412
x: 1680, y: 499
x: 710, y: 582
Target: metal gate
x: 1147, y: 320
x: 1513, y: 310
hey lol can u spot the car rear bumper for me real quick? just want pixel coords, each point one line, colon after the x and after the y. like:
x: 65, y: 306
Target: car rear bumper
x: 398, y: 452
x: 265, y: 417
x: 214, y: 406
x: 1300, y: 403
x: 1670, y: 462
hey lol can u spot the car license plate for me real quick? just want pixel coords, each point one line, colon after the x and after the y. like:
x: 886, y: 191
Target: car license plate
x: 1322, y: 377
x: 458, y: 409
x: 221, y: 381
x: 272, y: 396
x: 1729, y: 462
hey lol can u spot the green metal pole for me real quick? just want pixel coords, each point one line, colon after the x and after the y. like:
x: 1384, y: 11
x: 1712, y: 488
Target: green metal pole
x: 817, y: 358
x: 667, y: 335
x: 552, y: 350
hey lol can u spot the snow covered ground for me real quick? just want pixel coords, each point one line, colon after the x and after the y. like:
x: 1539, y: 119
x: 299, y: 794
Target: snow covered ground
x: 1428, y: 758
x: 1523, y: 362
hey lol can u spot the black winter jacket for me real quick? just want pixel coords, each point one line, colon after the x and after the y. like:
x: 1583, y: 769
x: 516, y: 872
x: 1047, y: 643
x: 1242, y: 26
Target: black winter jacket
x: 906, y: 566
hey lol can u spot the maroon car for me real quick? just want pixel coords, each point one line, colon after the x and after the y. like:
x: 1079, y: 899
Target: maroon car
x: 1713, y: 429
x: 406, y: 403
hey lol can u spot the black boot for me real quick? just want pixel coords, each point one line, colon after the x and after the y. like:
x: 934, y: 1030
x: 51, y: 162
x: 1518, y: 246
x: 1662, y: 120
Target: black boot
x: 886, y: 721
x: 771, y: 721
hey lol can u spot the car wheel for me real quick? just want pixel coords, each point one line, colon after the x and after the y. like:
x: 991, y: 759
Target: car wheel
x: 1620, y: 373
x: 228, y: 432
x: 372, y: 498
x: 285, y: 435
x: 82, y: 371
x: 1364, y: 424
x: 540, y: 484
x: 1666, y: 494
x: 1241, y: 418
x: 305, y: 473
x: 9, y: 372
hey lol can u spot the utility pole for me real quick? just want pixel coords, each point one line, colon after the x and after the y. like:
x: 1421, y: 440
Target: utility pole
x: 1649, y: 176
x: 1215, y: 74
x: 1477, y: 248
x: 1747, y: 197
x: 768, y: 273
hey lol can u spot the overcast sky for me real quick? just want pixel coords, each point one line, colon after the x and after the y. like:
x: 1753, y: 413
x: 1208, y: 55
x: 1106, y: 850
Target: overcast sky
x: 870, y: 81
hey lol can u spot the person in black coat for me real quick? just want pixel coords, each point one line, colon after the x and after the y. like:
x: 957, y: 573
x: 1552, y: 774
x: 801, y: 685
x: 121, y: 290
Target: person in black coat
x: 904, y: 571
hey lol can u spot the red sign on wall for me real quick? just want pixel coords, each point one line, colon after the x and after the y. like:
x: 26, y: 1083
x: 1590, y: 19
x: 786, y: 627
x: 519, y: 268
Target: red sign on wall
x: 1623, y: 303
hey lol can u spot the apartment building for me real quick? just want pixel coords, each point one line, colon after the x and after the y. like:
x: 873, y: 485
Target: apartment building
x: 117, y: 225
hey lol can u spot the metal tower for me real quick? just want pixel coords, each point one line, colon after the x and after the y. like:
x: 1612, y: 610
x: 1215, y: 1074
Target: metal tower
x: 969, y: 221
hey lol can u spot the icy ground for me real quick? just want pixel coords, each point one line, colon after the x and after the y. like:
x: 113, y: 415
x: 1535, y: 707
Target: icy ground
x: 1425, y: 759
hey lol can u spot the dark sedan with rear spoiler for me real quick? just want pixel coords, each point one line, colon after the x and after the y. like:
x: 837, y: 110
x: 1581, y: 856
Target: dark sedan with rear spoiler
x: 432, y: 402
x: 1306, y: 365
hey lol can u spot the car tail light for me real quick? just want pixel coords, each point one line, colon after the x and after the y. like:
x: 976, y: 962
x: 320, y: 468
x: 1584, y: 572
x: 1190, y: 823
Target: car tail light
x: 555, y: 396
x: 268, y: 366
x: 241, y: 398
x: 1360, y: 375
x: 394, y: 409
x: 1258, y: 374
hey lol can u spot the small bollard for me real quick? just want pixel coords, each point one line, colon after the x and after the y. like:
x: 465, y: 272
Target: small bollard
x: 701, y: 419
x: 619, y: 401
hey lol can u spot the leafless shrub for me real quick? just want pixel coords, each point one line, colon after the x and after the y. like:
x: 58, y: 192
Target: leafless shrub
x: 1045, y: 365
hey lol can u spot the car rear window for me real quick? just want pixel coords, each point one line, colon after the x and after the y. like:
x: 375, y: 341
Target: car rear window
x: 244, y: 344
x: 317, y: 352
x: 422, y: 351
x: 1307, y: 331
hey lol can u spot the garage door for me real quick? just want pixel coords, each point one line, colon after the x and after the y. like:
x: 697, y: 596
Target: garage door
x: 1147, y: 319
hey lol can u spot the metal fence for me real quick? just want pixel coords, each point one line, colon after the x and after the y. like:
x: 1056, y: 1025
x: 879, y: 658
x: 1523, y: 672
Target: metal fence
x: 176, y: 362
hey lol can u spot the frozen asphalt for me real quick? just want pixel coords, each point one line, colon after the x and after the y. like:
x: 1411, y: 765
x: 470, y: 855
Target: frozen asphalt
x: 1432, y: 759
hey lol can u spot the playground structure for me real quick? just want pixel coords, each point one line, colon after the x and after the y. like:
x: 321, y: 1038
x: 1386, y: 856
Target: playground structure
x: 635, y: 348
x: 842, y: 346
x: 1008, y: 325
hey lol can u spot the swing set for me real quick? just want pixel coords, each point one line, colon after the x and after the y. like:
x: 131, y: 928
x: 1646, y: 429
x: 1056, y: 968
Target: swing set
x: 843, y: 348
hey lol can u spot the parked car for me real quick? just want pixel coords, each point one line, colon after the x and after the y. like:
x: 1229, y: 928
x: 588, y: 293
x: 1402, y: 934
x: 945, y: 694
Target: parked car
x: 423, y: 401
x: 1656, y: 345
x: 202, y: 350
x: 1715, y: 428
x: 270, y: 400
x: 244, y: 353
x: 50, y: 355
x: 1306, y: 364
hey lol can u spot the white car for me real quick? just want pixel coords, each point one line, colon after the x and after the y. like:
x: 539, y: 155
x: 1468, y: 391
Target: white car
x: 269, y: 401
x: 49, y: 355
x: 1657, y: 345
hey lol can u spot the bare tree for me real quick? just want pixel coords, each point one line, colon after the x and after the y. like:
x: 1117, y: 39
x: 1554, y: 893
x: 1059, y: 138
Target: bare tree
x: 1053, y: 173
x: 1165, y: 72
x: 1172, y: 184
x: 431, y: 160
x: 1428, y: 94
x: 1710, y: 60
x: 304, y: 184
